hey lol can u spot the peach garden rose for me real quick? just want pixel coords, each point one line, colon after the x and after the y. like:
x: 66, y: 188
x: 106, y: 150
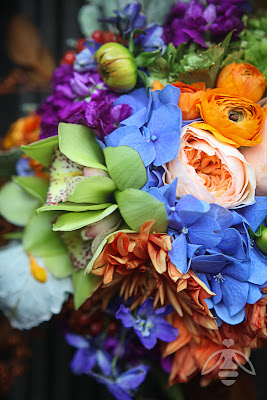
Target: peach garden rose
x: 211, y: 170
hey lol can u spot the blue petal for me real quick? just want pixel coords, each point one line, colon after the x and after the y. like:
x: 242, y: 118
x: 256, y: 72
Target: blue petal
x: 191, y: 209
x: 216, y: 288
x: 258, y: 273
x: 115, y: 137
x: 138, y: 119
x: 235, y: 294
x: 167, y: 148
x: 137, y: 99
x: 147, y: 341
x: 238, y: 270
x: 83, y: 361
x: 125, y: 315
x: 224, y: 315
x: 146, y: 308
x: 205, y: 231
x: 169, y: 95
x: 133, y: 378
x: 112, y: 387
x: 232, y: 244
x: 104, y: 361
x: 164, y: 120
x: 254, y: 294
x: 164, y: 331
x: 222, y: 216
x: 144, y: 147
x: 212, y: 263
x: 77, y: 341
x: 178, y: 253
x: 256, y: 213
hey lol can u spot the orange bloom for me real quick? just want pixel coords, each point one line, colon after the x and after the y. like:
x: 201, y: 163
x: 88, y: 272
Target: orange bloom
x: 235, y: 117
x: 244, y: 79
x: 190, y: 97
x: 138, y: 265
x: 23, y: 131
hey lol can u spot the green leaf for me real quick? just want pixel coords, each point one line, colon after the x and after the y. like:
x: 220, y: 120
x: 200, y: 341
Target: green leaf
x: 17, y: 206
x: 75, y: 207
x: 131, y: 41
x: 40, y: 240
x: 143, y: 76
x: 94, y: 189
x: 71, y: 221
x: 8, y: 161
x: 137, y: 207
x: 146, y: 58
x: 83, y: 285
x: 42, y: 151
x: 78, y: 143
x: 125, y: 167
x: 35, y: 186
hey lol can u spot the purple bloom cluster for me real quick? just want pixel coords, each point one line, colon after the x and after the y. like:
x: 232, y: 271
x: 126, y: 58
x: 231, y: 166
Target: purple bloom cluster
x: 189, y: 21
x: 80, y: 97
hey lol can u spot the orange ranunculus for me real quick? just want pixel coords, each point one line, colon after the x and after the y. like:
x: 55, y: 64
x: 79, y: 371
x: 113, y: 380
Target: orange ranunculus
x: 236, y: 118
x: 244, y: 79
x: 190, y: 97
x: 23, y: 131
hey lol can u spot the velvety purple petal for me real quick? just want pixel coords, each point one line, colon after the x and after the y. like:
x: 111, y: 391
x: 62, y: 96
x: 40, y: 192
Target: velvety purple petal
x: 125, y: 315
x: 104, y: 361
x: 133, y: 378
x: 77, y: 341
x: 83, y: 361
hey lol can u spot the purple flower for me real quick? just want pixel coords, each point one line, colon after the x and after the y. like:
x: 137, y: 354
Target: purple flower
x: 149, y: 324
x: 123, y: 386
x: 88, y: 355
x: 128, y: 19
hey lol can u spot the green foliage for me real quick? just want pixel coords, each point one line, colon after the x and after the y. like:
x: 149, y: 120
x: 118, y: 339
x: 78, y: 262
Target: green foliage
x: 42, y: 151
x: 94, y: 189
x: 8, y: 161
x: 83, y: 285
x: 137, y: 207
x: 35, y: 186
x: 125, y: 167
x: 78, y: 143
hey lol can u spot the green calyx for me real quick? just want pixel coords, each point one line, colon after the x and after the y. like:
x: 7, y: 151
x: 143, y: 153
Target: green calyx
x: 261, y: 239
x: 117, y: 67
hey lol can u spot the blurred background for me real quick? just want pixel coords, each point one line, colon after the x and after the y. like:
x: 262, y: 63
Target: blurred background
x: 34, y: 36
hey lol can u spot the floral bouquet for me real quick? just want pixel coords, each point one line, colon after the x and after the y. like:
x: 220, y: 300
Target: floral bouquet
x: 143, y: 198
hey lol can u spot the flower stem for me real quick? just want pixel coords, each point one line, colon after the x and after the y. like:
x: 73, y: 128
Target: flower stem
x: 115, y: 358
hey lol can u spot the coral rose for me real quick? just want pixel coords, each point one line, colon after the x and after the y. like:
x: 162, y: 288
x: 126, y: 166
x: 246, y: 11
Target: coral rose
x: 257, y: 156
x: 238, y: 119
x: 190, y: 97
x: 211, y: 170
x: 244, y: 79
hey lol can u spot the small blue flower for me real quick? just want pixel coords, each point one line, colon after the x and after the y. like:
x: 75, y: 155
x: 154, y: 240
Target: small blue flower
x: 149, y: 324
x: 23, y: 167
x: 84, y: 60
x: 152, y: 41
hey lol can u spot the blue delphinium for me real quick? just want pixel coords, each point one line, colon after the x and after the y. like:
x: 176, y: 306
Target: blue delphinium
x: 149, y: 324
x: 84, y: 60
x: 131, y: 17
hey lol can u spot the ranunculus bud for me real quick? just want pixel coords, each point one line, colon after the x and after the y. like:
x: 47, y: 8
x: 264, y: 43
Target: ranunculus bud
x: 117, y: 67
x: 244, y: 79
x: 261, y: 241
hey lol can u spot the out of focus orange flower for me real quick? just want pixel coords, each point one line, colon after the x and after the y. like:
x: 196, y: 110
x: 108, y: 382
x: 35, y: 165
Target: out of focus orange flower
x: 23, y: 131
x: 238, y: 119
x: 244, y: 79
x: 190, y: 97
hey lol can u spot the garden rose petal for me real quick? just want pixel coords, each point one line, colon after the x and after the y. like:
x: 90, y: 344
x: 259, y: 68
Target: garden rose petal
x: 211, y: 170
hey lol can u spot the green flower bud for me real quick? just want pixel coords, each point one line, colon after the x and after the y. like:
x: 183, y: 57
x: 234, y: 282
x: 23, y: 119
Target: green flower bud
x: 117, y: 67
x: 261, y: 241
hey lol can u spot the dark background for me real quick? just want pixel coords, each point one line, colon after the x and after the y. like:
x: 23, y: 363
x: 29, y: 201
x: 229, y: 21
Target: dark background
x: 48, y: 376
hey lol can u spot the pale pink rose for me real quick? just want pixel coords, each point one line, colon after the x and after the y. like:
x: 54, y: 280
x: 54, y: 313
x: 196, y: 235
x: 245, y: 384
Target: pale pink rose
x: 257, y: 156
x: 211, y: 170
